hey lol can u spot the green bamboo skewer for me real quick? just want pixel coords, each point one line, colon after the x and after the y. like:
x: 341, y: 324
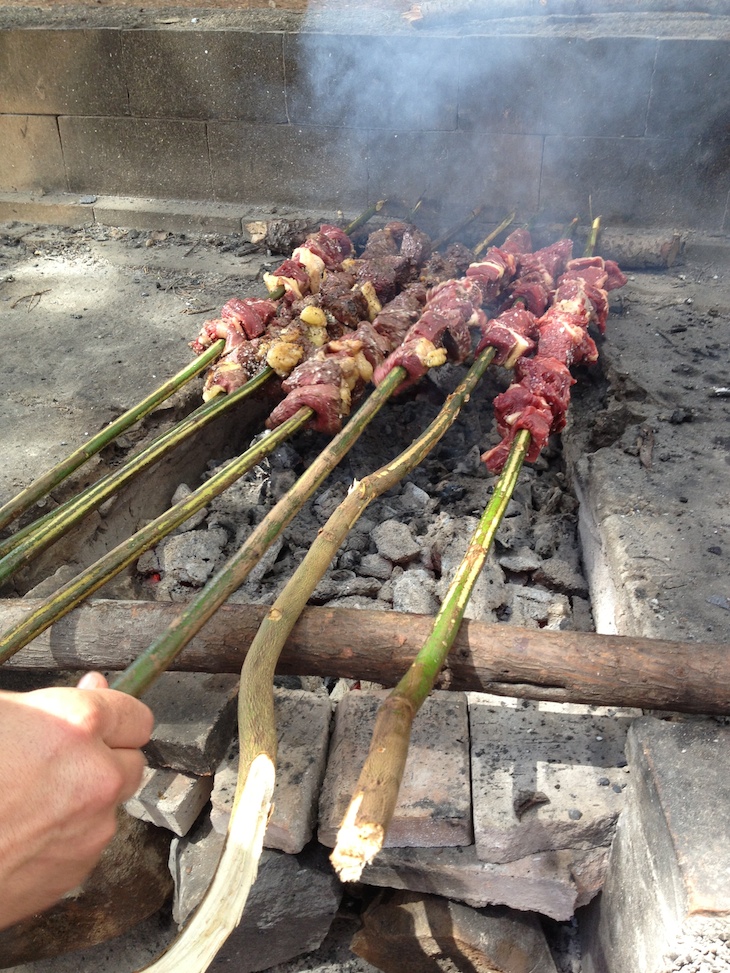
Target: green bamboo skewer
x: 26, y: 544
x: 494, y: 234
x: 90, y: 580
x: 51, y: 478
x: 365, y: 824
x: 221, y: 909
x: 140, y: 674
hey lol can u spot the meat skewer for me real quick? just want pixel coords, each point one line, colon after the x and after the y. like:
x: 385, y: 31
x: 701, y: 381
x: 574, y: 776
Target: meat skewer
x: 364, y: 827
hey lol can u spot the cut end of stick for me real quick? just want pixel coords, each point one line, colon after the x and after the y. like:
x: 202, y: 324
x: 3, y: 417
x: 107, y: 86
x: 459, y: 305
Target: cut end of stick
x: 357, y: 843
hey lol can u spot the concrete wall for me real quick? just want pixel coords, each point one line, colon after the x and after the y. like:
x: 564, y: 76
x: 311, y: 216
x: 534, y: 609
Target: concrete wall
x: 541, y: 120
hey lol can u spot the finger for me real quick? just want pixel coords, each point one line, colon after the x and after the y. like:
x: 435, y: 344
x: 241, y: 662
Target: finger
x: 92, y: 680
x: 131, y: 763
x: 125, y: 721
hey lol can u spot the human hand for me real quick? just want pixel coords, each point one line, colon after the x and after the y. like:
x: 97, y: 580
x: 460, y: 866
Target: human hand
x: 68, y: 758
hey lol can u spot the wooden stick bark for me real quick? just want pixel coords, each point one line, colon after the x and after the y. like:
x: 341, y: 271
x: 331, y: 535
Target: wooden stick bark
x: 577, y: 667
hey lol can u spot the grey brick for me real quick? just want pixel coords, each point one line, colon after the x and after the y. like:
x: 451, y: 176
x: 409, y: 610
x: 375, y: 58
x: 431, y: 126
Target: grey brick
x: 205, y: 74
x: 457, y: 171
x: 686, y: 72
x: 434, y: 804
x: 371, y: 82
x: 639, y: 181
x: 667, y: 892
x: 288, y: 165
x: 598, y: 86
x: 136, y: 157
x: 31, y: 158
x: 62, y: 72
x: 545, y: 776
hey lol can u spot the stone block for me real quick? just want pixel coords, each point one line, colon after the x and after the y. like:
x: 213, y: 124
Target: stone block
x: 401, y: 163
x: 206, y: 74
x: 31, y: 159
x: 62, y: 72
x: 425, y: 934
x: 195, y: 718
x: 169, y: 799
x: 703, y: 65
x: 412, y: 83
x: 160, y: 157
x: 514, y: 68
x: 659, y: 176
x: 303, y: 723
x: 666, y: 901
x: 434, y: 805
x: 176, y: 215
x: 60, y: 209
x: 545, y: 776
x: 289, y: 910
x: 315, y: 167
x: 552, y: 883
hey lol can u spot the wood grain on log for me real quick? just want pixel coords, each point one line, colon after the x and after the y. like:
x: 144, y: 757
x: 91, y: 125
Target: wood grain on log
x: 378, y: 646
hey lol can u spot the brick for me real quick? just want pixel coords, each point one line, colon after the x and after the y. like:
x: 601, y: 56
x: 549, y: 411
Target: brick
x: 303, y: 722
x: 662, y: 182
x: 411, y: 83
x: 206, y: 74
x: 195, y: 717
x: 434, y: 805
x: 542, y: 883
x: 62, y: 72
x: 58, y: 209
x: 289, y: 165
x: 136, y: 156
x: 31, y: 159
x: 545, y: 776
x: 289, y: 909
x: 460, y: 170
x: 170, y: 799
x: 512, y: 69
x: 703, y: 66
x: 667, y: 894
x: 424, y: 933
x: 176, y: 216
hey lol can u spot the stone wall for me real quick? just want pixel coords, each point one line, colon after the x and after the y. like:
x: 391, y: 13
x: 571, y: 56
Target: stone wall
x: 626, y: 116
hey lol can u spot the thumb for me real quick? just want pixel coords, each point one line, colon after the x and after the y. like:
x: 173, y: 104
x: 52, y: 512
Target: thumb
x: 92, y: 680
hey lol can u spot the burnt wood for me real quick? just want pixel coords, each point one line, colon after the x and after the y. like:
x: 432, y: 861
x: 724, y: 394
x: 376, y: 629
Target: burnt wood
x: 378, y: 646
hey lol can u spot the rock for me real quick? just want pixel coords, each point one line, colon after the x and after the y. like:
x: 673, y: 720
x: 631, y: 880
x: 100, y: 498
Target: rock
x: 560, y: 575
x: 413, y: 592
x: 343, y: 584
x: 130, y: 883
x: 303, y: 722
x: 195, y: 717
x: 425, y: 933
x: 542, y: 883
x: 192, y: 557
x: 396, y: 542
x: 666, y: 902
x: 542, y: 775
x: 182, y: 493
x: 170, y: 799
x: 535, y: 607
x: 522, y: 561
x: 375, y: 566
x: 434, y: 805
x: 289, y: 910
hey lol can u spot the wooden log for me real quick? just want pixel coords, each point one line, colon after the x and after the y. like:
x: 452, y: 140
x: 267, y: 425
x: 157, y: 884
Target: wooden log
x: 378, y: 646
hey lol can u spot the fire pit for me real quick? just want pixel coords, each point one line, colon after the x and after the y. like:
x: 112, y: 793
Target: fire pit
x: 619, y: 525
